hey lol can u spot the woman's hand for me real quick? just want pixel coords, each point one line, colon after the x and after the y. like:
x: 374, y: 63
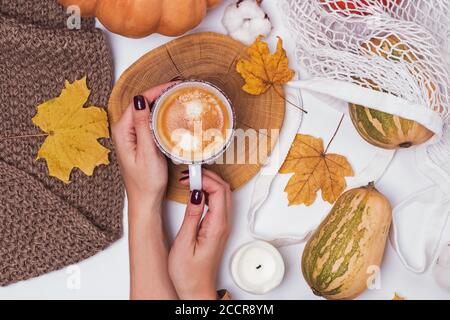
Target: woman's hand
x: 143, y: 167
x: 144, y: 171
x: 197, y: 251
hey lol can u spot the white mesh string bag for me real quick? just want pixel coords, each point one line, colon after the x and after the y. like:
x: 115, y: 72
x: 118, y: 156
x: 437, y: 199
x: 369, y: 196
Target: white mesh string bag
x: 392, y: 56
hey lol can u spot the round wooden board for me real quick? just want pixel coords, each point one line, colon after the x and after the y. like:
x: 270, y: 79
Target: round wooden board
x: 211, y: 57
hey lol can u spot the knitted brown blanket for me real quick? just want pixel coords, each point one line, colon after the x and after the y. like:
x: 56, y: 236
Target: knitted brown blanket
x: 44, y: 223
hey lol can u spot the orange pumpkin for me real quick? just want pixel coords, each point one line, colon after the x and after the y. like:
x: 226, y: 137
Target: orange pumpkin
x: 140, y: 18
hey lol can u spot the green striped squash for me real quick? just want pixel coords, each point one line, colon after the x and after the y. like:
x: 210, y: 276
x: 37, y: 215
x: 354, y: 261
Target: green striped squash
x: 382, y: 129
x: 385, y: 130
x: 339, y: 258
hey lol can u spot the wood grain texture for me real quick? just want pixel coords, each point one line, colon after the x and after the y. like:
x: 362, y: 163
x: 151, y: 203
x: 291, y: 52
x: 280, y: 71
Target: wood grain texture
x: 211, y: 57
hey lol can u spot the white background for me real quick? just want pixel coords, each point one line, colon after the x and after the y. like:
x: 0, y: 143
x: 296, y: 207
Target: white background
x: 106, y: 275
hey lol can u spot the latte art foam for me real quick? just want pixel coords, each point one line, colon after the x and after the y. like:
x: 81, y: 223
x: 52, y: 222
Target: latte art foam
x: 193, y: 123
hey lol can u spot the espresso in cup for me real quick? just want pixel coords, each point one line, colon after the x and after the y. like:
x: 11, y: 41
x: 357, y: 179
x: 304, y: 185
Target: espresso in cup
x: 193, y: 121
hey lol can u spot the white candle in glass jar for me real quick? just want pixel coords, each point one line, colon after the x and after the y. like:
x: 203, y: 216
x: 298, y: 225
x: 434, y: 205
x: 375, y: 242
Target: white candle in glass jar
x: 257, y: 267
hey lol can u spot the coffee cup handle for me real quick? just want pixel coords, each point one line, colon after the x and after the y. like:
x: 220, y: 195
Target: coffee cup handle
x: 195, y: 177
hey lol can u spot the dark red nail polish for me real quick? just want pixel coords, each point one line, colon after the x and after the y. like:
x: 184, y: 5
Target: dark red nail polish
x: 196, y: 197
x: 207, y: 199
x: 139, y: 103
x: 185, y: 172
x: 184, y: 178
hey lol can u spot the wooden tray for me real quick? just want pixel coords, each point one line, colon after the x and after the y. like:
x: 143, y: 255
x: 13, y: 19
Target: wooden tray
x: 211, y: 57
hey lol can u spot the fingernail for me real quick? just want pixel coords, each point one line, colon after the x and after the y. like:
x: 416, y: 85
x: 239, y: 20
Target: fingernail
x: 184, y: 178
x: 207, y: 199
x: 185, y: 172
x: 139, y: 103
x: 196, y: 197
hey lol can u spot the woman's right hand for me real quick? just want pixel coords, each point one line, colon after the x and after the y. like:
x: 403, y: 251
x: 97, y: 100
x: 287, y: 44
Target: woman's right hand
x: 196, y: 253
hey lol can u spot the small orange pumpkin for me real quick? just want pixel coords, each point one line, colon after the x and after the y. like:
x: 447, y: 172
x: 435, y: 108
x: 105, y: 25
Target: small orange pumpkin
x: 140, y: 18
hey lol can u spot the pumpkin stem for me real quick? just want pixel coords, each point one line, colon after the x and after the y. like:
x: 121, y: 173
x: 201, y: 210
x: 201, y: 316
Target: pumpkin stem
x: 406, y: 145
x: 317, y: 293
x: 371, y: 186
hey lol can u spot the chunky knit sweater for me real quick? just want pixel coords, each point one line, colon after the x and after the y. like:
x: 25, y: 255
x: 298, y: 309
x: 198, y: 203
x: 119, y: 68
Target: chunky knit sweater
x: 44, y: 223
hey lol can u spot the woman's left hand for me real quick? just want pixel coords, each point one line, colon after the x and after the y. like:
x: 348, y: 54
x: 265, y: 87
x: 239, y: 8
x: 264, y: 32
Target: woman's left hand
x: 143, y: 166
x: 144, y: 171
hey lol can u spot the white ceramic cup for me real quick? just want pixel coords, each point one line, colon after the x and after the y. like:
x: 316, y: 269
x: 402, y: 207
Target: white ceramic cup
x: 195, y: 166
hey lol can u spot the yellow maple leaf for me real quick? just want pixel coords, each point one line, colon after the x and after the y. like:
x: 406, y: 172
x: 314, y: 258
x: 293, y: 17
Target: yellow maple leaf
x: 314, y: 169
x: 72, y: 132
x: 264, y: 70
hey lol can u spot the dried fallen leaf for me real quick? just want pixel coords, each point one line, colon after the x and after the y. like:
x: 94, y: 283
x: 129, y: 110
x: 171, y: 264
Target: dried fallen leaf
x: 264, y: 70
x: 72, y: 132
x: 398, y: 297
x: 314, y: 169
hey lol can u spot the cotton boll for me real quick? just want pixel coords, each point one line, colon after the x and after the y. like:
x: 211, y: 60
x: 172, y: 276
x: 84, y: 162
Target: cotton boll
x: 251, y: 29
x: 243, y: 35
x: 232, y: 19
x: 245, y: 20
x: 441, y: 270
